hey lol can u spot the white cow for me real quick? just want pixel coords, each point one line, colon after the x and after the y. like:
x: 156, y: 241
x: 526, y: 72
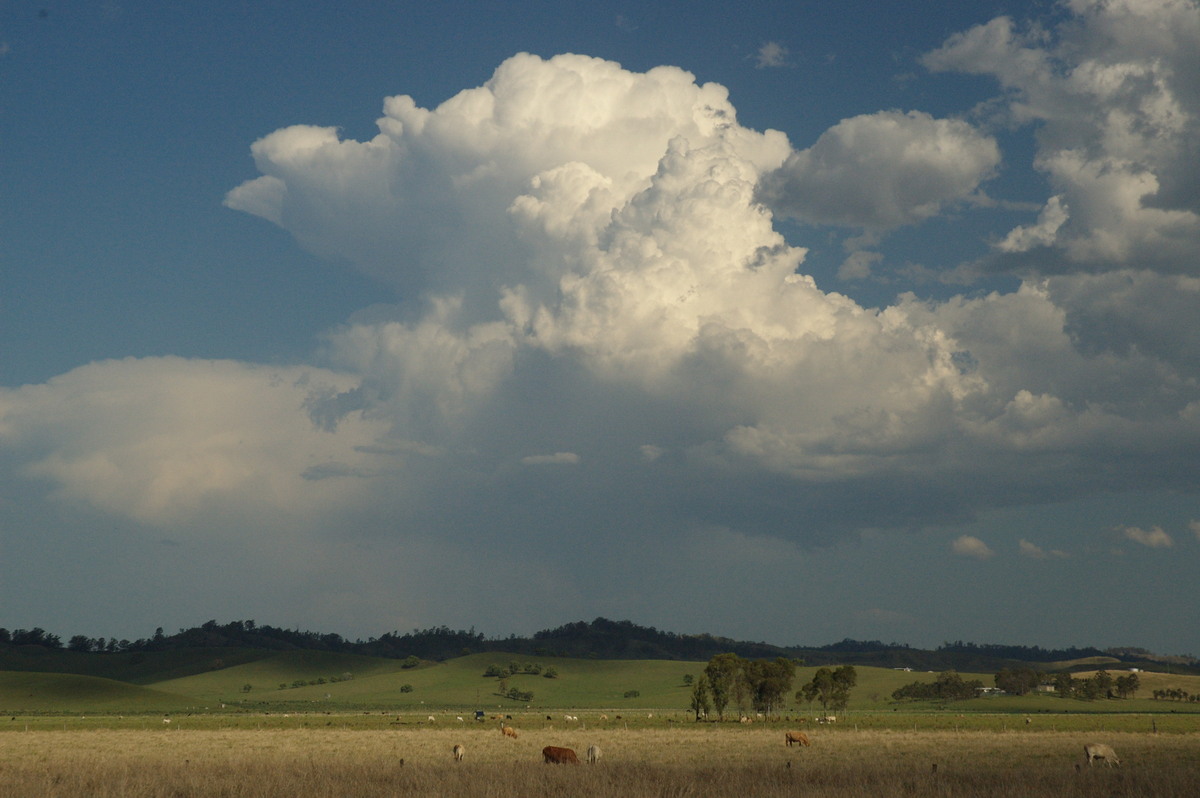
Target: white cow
x: 593, y: 754
x: 1094, y: 751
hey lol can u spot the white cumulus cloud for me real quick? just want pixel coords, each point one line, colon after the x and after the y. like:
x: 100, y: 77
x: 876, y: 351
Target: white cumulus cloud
x: 588, y: 272
x: 883, y: 170
x: 1116, y: 97
x: 1154, y: 537
x: 971, y: 546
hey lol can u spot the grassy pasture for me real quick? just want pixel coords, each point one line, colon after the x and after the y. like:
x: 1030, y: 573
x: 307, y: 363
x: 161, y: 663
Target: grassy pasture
x: 458, y: 686
x: 459, y: 683
x: 1149, y: 681
x: 676, y: 760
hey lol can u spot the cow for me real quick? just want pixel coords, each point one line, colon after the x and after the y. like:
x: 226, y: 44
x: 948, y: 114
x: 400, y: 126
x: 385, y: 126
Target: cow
x: 1094, y: 751
x: 459, y: 751
x: 553, y: 755
x: 794, y: 738
x: 593, y: 754
x: 508, y: 731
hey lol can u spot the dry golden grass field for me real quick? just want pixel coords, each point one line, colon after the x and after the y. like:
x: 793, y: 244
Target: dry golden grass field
x: 682, y: 760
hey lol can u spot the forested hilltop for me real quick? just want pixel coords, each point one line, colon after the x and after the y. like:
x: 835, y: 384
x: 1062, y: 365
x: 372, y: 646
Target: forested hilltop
x: 34, y: 649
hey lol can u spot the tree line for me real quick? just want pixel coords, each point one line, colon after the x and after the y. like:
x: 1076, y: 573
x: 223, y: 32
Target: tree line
x: 950, y: 686
x: 601, y: 638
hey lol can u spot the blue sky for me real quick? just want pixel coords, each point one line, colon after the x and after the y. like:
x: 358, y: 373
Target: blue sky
x: 792, y: 322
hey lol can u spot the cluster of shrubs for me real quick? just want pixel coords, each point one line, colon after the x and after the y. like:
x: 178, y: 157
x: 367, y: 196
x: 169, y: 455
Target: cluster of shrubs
x: 1175, y: 694
x: 948, y: 686
x: 345, y: 677
x: 516, y: 668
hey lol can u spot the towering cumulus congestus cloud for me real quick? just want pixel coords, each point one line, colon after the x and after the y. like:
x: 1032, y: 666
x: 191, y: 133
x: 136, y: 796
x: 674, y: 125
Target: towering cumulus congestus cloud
x: 575, y: 235
x: 607, y: 218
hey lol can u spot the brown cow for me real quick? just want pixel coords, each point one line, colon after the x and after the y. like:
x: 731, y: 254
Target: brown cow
x: 559, y: 756
x: 508, y: 731
x: 791, y: 738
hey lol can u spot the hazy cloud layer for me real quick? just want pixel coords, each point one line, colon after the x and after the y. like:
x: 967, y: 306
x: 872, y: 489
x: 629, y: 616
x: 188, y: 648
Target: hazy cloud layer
x: 601, y: 342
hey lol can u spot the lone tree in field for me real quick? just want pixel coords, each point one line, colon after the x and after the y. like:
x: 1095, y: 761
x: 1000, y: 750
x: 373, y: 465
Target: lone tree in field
x: 701, y: 697
x: 723, y: 672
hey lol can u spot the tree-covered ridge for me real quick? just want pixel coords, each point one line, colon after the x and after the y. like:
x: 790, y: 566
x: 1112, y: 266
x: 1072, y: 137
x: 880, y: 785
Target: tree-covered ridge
x: 598, y: 639
x: 1032, y: 653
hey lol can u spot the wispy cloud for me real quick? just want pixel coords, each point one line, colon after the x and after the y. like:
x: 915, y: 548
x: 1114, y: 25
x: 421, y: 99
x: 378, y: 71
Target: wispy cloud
x: 558, y: 458
x: 1035, y: 552
x: 771, y: 54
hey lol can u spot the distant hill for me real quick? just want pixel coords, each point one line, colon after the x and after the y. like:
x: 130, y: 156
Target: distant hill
x: 56, y: 692
x: 213, y: 646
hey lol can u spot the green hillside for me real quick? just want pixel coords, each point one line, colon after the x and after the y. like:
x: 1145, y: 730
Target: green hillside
x: 459, y: 684
x: 136, y: 667
x: 22, y: 692
x: 330, y: 682
x: 334, y: 672
x: 351, y: 681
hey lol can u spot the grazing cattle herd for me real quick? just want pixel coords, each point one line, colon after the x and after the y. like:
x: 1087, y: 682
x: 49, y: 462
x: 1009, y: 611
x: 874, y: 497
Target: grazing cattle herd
x: 558, y: 755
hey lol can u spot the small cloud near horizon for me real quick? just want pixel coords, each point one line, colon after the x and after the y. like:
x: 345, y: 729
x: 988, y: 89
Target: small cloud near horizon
x: 1154, y: 537
x: 970, y: 546
x: 558, y: 458
x: 1035, y: 552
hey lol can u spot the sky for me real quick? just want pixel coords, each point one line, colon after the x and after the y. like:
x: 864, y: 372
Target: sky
x: 783, y: 321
